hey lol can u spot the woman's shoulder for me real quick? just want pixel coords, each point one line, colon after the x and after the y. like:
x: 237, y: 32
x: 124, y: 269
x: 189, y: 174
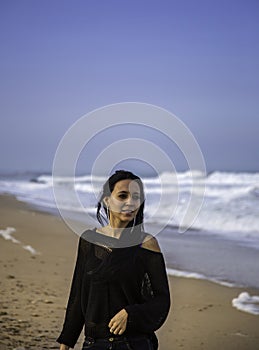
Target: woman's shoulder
x: 85, y: 234
x: 86, y: 237
x: 150, y: 243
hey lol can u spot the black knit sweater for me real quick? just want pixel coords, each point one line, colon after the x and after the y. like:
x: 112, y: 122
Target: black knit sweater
x: 107, y: 279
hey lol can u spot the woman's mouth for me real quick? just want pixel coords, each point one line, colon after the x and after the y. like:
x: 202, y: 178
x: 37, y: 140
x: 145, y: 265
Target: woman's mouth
x: 127, y: 212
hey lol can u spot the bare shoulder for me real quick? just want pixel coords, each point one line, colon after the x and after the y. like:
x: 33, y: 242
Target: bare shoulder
x: 150, y: 243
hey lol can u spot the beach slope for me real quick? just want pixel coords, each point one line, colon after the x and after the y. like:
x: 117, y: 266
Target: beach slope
x: 37, y: 263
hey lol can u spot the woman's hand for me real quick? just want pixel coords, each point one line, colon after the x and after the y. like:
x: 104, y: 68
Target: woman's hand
x: 118, y: 323
x: 64, y: 347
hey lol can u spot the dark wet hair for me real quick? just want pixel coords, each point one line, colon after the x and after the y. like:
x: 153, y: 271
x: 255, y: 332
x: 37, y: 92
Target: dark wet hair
x: 108, y: 187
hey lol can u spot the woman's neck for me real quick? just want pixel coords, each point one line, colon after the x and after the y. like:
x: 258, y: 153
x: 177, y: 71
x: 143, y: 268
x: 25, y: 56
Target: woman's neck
x: 111, y: 231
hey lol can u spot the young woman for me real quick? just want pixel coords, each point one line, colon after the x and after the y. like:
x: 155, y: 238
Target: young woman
x: 119, y: 291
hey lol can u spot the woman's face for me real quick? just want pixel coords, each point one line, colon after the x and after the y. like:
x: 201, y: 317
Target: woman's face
x: 123, y: 203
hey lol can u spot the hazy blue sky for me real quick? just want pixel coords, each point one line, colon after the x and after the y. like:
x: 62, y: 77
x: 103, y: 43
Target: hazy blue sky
x: 61, y: 59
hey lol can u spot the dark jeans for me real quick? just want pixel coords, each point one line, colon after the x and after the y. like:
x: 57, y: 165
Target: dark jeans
x: 125, y: 343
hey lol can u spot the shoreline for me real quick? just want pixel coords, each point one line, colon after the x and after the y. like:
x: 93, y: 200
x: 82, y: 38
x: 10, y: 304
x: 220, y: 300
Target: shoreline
x: 35, y: 287
x: 219, y: 260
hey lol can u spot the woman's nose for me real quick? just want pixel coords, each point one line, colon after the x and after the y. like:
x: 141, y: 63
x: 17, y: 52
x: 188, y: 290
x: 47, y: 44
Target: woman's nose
x: 130, y: 200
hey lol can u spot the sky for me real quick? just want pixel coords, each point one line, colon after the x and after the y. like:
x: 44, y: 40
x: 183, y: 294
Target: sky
x: 63, y: 59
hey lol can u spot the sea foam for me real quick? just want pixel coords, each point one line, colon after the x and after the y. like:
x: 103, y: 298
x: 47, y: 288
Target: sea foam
x: 247, y: 303
x: 199, y: 276
x: 7, y: 235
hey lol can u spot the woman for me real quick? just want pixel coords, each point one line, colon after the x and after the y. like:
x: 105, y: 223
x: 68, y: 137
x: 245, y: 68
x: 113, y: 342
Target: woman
x: 119, y: 291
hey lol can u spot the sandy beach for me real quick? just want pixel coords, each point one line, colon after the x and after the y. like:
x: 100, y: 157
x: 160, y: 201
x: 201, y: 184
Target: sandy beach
x: 35, y: 287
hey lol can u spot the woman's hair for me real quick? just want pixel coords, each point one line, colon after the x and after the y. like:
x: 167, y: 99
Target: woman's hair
x: 108, y: 187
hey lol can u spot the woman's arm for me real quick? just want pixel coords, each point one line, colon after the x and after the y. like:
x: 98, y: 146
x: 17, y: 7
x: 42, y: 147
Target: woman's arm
x: 74, y: 318
x: 151, y: 314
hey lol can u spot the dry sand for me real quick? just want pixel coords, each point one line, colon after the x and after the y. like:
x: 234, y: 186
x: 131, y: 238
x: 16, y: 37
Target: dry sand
x: 34, y: 291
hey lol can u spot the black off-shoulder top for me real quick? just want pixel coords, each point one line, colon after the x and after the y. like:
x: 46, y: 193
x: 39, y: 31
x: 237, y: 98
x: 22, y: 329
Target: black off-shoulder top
x: 108, y: 278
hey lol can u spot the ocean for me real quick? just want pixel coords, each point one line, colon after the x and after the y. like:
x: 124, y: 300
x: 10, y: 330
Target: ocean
x: 222, y: 244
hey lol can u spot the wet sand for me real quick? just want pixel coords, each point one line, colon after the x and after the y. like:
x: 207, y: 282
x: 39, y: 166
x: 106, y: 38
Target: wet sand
x: 35, y: 287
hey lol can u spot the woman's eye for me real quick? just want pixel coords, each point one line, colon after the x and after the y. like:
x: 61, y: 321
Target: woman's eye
x: 123, y: 196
